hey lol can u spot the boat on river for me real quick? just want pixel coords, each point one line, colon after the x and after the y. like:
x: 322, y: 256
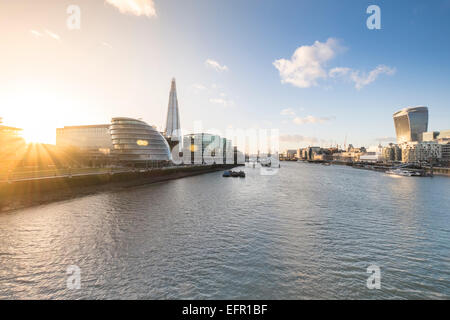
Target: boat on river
x: 403, y: 172
x: 234, y: 174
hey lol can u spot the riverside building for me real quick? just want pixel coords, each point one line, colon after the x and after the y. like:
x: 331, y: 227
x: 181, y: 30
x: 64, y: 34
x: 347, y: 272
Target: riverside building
x: 138, y: 144
x: 90, y: 143
x: 205, y: 148
x: 421, y: 152
x: 89, y: 137
x: 11, y: 145
x: 392, y: 153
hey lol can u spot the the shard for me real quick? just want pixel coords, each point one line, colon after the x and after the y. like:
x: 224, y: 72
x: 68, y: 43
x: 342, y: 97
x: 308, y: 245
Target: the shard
x: 173, y: 117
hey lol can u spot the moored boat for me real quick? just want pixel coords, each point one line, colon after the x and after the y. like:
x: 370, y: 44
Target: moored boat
x: 403, y: 172
x: 234, y: 174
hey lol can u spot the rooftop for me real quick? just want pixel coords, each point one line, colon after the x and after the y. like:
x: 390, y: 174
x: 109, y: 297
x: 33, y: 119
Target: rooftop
x: 410, y: 109
x: 87, y: 126
x: 9, y: 128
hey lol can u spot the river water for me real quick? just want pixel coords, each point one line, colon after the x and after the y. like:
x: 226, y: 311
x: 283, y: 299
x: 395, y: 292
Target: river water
x: 307, y: 232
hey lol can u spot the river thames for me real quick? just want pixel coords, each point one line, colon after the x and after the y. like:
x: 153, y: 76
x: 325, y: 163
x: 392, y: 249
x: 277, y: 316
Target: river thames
x: 308, y: 232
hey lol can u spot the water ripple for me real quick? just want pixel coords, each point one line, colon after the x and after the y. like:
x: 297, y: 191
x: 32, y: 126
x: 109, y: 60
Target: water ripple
x: 309, y: 232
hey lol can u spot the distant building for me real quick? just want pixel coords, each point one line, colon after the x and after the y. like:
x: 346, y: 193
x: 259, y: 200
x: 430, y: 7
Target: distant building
x: 443, y: 139
x: 11, y: 144
x: 9, y: 133
x: 172, y: 131
x: 290, y: 154
x: 410, y: 124
x: 205, y: 148
x: 436, y: 136
x: 429, y: 136
x: 89, y: 137
x: 446, y: 152
x: 392, y: 153
x: 323, y: 157
x: 88, y: 145
x: 421, y: 152
x: 351, y: 155
x: 137, y: 143
x: 373, y: 155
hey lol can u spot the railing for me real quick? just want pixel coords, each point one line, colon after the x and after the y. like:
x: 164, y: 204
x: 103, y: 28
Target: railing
x: 70, y: 172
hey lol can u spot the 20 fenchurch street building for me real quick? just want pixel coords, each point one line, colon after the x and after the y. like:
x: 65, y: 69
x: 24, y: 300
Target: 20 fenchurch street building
x: 411, y: 123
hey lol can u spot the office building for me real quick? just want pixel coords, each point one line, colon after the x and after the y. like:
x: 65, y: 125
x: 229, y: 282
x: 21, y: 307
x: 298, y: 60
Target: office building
x: 410, y: 124
x: 205, y: 148
x: 89, y: 137
x: 392, y: 153
x: 413, y: 152
x: 438, y: 136
x: 135, y: 142
x: 12, y: 144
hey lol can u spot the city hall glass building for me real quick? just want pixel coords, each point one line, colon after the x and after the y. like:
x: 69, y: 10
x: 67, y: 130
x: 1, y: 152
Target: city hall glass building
x: 410, y: 124
x: 134, y: 142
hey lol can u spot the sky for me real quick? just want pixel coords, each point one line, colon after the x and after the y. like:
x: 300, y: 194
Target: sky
x: 311, y: 69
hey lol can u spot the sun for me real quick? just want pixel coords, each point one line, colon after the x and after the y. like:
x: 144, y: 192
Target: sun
x: 39, y: 135
x: 36, y: 111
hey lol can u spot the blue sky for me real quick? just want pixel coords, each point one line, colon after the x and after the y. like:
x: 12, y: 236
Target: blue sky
x: 120, y: 64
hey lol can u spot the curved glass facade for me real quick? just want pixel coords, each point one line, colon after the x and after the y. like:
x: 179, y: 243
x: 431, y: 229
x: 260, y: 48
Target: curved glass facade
x: 410, y: 124
x: 135, y: 141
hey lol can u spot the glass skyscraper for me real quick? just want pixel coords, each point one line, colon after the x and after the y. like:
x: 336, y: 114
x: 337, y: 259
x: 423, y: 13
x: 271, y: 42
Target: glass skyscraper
x: 410, y: 124
x: 173, y: 117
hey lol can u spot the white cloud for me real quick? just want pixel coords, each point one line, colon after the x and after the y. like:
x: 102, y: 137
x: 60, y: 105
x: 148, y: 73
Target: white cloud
x: 311, y: 119
x: 296, y: 140
x: 307, y: 67
x: 198, y: 86
x: 287, y: 112
x: 308, y: 119
x: 215, y: 65
x: 307, y: 64
x: 339, y: 72
x: 359, y: 78
x: 222, y: 102
x: 365, y: 79
x: 135, y: 7
x: 106, y: 44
